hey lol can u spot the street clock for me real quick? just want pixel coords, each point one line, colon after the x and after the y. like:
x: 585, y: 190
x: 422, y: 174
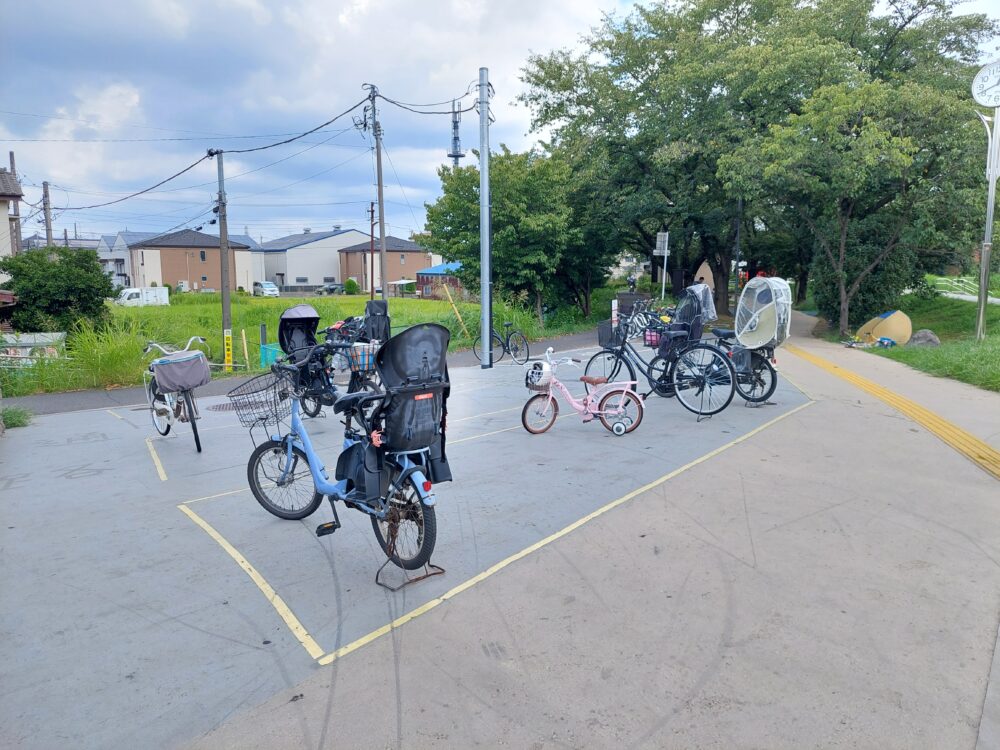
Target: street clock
x: 986, y: 85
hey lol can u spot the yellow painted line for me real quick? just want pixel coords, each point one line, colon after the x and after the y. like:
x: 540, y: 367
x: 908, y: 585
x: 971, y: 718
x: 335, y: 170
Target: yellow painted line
x: 156, y: 460
x: 485, y: 414
x: 424, y: 608
x: 980, y: 453
x: 116, y: 416
x: 485, y: 434
x: 269, y: 593
x: 219, y: 494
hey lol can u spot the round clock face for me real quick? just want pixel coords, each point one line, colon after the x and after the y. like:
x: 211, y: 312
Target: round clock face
x: 986, y: 85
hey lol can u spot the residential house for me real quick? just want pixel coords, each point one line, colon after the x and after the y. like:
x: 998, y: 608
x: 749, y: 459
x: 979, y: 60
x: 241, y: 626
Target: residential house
x: 431, y: 281
x: 117, y: 260
x: 304, y: 261
x: 10, y: 191
x: 403, y: 259
x: 37, y: 240
x: 189, y: 256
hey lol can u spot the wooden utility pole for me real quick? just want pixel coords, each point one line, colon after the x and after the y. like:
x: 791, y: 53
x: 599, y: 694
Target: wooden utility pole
x: 381, y: 202
x: 47, y: 207
x: 15, y: 233
x: 227, y: 315
x: 371, y: 254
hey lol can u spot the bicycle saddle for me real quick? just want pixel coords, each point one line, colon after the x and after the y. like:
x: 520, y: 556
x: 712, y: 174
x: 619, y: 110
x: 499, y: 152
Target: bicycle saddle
x: 507, y: 325
x: 349, y: 401
x: 593, y: 380
x: 724, y: 333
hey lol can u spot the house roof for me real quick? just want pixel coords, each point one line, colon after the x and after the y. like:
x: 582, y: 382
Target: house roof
x: 133, y: 238
x: 9, y: 186
x: 187, y: 238
x: 294, y: 240
x: 245, y: 239
x: 441, y: 269
x: 109, y: 239
x: 392, y: 245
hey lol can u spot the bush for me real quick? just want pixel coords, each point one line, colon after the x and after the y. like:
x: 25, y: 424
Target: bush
x: 15, y: 416
x: 880, y: 291
x: 168, y: 288
x: 351, y: 287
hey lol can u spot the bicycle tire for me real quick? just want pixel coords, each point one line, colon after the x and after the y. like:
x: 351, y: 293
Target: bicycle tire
x: 626, y: 399
x: 608, y: 363
x: 659, y: 377
x: 160, y: 423
x: 413, y: 522
x: 704, y: 380
x: 517, y: 345
x: 311, y: 406
x: 758, y: 385
x: 293, y: 504
x: 192, y: 416
x: 496, y: 343
x: 546, y: 419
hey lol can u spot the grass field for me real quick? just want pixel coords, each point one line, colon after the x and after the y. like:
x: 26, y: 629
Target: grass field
x: 960, y: 356
x: 112, y: 356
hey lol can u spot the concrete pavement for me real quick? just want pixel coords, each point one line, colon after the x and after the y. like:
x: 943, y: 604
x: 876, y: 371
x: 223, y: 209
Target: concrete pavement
x: 831, y: 581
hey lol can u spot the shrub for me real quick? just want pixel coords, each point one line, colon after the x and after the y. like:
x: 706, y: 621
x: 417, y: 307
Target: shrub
x: 15, y: 416
x: 351, y: 287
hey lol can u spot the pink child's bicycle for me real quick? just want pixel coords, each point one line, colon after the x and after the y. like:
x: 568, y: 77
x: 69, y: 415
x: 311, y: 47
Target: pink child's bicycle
x: 616, y: 405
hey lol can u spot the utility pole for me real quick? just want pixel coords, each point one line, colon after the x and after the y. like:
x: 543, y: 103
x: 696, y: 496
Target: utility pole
x: 15, y: 235
x: 739, y: 222
x: 48, y: 214
x: 371, y: 253
x: 485, y: 281
x: 381, y: 201
x: 65, y: 237
x: 227, y: 317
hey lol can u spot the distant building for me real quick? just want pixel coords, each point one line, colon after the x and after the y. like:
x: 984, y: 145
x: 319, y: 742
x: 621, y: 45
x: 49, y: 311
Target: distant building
x: 189, y: 256
x: 304, y: 261
x: 37, y: 240
x: 403, y: 259
x: 431, y: 281
x: 10, y: 190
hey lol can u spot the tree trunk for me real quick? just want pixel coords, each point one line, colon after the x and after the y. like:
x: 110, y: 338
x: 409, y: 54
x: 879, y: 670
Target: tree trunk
x: 844, y: 309
x: 538, y: 309
x: 800, y: 285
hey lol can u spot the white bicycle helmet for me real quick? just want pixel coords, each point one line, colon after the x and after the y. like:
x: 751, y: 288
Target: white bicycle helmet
x: 538, y: 377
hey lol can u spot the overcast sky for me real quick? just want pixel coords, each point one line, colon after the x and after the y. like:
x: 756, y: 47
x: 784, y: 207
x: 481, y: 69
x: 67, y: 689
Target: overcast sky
x: 144, y: 71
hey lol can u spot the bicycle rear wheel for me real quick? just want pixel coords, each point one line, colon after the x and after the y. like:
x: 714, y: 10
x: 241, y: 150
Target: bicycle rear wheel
x: 704, y: 380
x: 610, y: 364
x: 409, y: 530
x: 159, y: 407
x: 192, y: 415
x: 759, y: 384
x: 282, y: 484
x: 620, y: 406
x: 496, y: 346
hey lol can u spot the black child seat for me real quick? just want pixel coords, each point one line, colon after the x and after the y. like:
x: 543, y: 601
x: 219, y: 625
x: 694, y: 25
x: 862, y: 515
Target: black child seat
x: 297, y: 329
x: 414, y: 371
x: 376, y: 322
x: 685, y: 326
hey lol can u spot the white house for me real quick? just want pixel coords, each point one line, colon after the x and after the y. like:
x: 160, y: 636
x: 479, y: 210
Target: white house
x: 10, y: 190
x: 301, y: 262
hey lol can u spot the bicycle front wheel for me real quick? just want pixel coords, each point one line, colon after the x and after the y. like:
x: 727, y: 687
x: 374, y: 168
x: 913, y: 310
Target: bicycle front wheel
x: 620, y: 406
x: 518, y: 347
x: 409, y: 530
x: 609, y: 364
x: 496, y: 346
x: 192, y: 415
x: 704, y: 380
x: 759, y: 384
x: 159, y: 407
x: 539, y: 413
x: 282, y: 483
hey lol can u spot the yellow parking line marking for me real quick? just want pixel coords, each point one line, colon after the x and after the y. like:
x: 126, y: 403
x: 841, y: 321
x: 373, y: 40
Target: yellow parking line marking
x: 980, y: 453
x: 270, y: 594
x: 116, y: 416
x: 156, y: 460
x: 484, y: 414
x: 485, y: 434
x: 219, y: 494
x: 424, y: 608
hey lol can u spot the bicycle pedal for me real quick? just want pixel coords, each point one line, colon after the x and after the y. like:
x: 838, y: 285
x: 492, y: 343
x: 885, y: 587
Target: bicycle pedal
x: 327, y: 528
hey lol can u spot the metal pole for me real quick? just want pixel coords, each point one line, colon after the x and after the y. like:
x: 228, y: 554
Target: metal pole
x: 381, y: 202
x: 47, y: 206
x: 992, y: 168
x: 227, y: 317
x: 15, y: 235
x: 485, y: 283
x: 663, y: 280
x: 739, y: 221
x: 371, y: 254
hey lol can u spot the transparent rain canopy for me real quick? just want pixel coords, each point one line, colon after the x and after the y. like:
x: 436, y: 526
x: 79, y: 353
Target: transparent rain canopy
x: 764, y: 313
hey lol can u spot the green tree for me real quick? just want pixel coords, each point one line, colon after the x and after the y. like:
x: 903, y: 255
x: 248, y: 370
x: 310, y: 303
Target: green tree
x: 56, y: 287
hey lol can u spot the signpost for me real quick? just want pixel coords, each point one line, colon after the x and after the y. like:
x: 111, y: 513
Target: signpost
x: 663, y: 250
x: 986, y: 92
x: 227, y: 338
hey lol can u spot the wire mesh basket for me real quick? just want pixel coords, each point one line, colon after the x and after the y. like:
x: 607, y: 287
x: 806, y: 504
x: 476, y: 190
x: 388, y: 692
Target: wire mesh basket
x: 263, y: 400
x: 608, y: 335
x: 361, y: 357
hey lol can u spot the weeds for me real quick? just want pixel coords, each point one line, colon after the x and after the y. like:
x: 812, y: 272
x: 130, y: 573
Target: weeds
x: 15, y: 416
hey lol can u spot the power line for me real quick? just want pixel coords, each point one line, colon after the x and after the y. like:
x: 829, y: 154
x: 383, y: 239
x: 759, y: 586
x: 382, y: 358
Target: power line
x: 399, y: 182
x: 147, y: 140
x: 423, y: 111
x: 301, y: 135
x: 140, y: 192
x: 304, y: 179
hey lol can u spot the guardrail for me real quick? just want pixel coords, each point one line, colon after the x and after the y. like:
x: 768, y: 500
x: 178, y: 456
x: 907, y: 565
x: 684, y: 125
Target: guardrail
x: 956, y: 285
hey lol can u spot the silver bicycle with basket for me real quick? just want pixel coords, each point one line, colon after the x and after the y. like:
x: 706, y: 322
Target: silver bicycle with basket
x: 170, y: 381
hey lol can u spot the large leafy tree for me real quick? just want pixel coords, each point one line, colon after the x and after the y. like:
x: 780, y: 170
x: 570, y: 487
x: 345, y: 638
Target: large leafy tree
x: 55, y: 288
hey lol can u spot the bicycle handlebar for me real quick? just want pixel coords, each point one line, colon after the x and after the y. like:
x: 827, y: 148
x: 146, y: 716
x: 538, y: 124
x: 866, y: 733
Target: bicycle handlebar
x: 150, y: 345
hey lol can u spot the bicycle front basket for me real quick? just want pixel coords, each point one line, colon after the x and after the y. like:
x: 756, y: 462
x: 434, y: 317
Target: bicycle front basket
x: 263, y: 400
x: 608, y: 336
x: 181, y: 371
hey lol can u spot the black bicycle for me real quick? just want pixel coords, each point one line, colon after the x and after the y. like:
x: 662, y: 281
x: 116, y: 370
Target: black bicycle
x: 756, y: 378
x: 514, y: 343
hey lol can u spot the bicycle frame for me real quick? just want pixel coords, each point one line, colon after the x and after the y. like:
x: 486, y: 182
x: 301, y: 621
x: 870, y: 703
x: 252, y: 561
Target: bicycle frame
x: 298, y: 437
x: 590, y: 402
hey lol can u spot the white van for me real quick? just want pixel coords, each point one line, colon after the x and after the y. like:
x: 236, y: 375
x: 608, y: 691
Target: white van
x: 265, y: 289
x: 143, y: 296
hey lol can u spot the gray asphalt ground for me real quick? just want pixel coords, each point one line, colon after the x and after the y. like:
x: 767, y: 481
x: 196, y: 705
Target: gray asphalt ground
x: 821, y: 572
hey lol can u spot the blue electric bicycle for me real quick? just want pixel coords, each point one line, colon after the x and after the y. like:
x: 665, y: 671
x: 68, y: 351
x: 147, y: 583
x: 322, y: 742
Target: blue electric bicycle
x: 393, y: 450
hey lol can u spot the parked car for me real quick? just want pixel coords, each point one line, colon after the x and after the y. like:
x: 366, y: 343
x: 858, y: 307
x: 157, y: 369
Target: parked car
x: 330, y: 289
x: 143, y: 296
x: 265, y: 289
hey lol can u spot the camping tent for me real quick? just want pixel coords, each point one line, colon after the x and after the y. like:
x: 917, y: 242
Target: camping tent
x: 894, y: 325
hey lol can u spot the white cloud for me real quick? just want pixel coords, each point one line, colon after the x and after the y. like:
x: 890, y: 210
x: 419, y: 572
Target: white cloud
x: 171, y: 15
